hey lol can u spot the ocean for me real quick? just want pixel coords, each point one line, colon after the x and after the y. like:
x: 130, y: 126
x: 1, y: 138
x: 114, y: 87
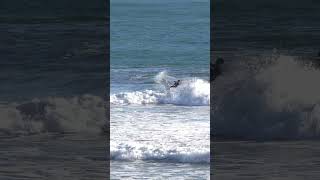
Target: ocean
x: 158, y: 132
x: 53, y: 74
x: 265, y: 107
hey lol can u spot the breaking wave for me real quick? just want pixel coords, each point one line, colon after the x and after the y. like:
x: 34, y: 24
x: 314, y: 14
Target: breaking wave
x: 85, y: 113
x: 191, y: 92
x: 132, y: 152
x: 280, y: 99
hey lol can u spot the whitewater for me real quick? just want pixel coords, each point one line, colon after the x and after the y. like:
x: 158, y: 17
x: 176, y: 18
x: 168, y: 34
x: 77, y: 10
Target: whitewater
x: 78, y: 114
x: 276, y: 97
x: 191, y: 92
x: 162, y: 125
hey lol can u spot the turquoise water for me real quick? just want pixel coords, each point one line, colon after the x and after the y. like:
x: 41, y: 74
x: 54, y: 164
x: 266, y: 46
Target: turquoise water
x: 152, y: 36
x: 157, y: 132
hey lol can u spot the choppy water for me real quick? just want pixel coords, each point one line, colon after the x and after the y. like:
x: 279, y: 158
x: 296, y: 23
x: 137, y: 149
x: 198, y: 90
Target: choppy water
x: 158, y: 132
x: 267, y: 160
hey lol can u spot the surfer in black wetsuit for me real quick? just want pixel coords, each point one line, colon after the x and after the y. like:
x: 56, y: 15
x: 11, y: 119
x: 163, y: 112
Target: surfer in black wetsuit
x: 215, y: 69
x: 176, y: 84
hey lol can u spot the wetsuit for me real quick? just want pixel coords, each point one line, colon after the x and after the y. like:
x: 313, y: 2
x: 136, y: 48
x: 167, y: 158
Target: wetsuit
x: 176, y: 84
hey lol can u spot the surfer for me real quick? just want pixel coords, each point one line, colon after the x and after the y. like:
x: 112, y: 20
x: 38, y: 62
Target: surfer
x: 216, y: 68
x: 176, y: 84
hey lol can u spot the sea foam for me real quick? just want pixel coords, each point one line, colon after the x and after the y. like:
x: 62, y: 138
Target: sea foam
x: 191, y: 92
x: 136, y: 151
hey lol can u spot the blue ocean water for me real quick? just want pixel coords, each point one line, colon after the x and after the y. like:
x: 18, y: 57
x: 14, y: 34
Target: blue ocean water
x: 152, y: 36
x: 154, y: 128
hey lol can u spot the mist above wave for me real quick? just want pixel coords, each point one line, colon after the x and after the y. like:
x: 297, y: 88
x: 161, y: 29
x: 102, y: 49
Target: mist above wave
x: 279, y: 100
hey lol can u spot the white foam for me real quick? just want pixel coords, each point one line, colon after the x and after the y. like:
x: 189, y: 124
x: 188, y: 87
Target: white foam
x: 135, y: 151
x: 138, y: 97
x: 191, y: 92
x: 289, y: 82
x: 280, y: 100
x: 160, y: 133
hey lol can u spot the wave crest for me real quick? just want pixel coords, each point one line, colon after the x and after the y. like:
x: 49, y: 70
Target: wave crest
x: 54, y: 114
x: 191, y: 92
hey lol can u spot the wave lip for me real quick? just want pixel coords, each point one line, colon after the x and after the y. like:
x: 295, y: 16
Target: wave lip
x: 191, y: 92
x: 132, y: 152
